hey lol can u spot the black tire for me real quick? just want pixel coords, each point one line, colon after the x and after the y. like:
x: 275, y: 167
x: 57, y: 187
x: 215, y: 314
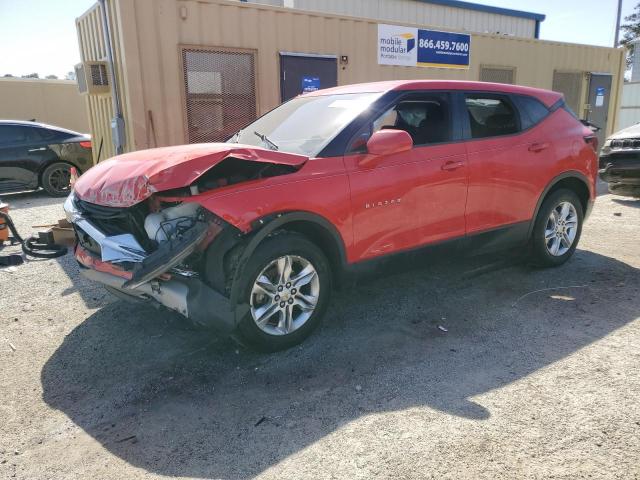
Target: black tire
x: 274, y: 247
x: 540, y: 254
x: 53, y: 179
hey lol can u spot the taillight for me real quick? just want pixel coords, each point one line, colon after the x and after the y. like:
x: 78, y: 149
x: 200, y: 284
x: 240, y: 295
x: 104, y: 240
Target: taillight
x: 86, y: 144
x: 592, y: 141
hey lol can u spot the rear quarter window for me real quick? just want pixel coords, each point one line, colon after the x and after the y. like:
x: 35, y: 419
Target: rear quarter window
x: 532, y: 111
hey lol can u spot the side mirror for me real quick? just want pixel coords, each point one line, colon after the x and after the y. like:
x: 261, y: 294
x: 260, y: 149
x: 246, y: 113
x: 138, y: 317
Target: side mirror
x: 387, y: 142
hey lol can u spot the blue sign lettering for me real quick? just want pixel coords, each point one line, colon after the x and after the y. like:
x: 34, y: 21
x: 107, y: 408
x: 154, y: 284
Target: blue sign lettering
x: 310, y: 84
x: 443, y: 49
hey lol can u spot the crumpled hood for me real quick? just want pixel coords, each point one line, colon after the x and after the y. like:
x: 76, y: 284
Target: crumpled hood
x: 630, y: 132
x: 130, y: 178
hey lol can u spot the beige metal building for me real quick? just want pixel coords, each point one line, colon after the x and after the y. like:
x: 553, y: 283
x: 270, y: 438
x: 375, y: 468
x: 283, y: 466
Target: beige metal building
x: 56, y: 102
x: 197, y: 70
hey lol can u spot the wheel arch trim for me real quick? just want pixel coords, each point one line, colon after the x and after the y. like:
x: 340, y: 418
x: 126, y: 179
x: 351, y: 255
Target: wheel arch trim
x: 573, y: 174
x: 265, y: 226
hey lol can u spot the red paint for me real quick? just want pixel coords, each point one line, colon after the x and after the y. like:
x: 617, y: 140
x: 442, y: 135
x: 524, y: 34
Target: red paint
x: 387, y: 142
x: 127, y: 179
x: 94, y: 263
x: 397, y: 199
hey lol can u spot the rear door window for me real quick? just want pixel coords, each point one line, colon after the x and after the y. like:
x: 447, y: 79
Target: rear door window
x: 50, y: 135
x: 491, y: 115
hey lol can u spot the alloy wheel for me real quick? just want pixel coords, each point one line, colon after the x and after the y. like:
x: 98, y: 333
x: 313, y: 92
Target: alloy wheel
x: 561, y: 229
x: 285, y: 295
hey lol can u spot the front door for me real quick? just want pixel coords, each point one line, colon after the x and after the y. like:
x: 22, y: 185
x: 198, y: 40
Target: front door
x: 599, y: 95
x: 412, y: 198
x: 22, y: 153
x: 301, y: 73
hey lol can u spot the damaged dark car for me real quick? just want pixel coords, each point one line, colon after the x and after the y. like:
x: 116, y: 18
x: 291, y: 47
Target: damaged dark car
x: 620, y: 162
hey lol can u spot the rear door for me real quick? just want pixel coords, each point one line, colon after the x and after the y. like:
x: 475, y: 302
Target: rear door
x: 508, y: 157
x: 302, y: 73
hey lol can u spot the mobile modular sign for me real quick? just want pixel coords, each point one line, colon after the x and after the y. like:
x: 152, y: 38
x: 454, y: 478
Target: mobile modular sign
x: 413, y: 47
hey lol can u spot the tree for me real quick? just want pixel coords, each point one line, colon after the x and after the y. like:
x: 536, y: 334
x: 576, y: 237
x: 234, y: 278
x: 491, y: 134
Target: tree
x: 7, y: 75
x: 31, y: 75
x: 70, y: 76
x: 51, y: 77
x: 631, y: 32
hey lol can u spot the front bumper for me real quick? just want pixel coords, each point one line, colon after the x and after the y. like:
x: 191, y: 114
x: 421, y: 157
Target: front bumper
x: 188, y: 296
x: 620, y: 168
x: 120, y: 263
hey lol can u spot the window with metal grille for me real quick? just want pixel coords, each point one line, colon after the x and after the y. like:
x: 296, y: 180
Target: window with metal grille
x: 570, y: 85
x: 497, y: 74
x: 220, y: 92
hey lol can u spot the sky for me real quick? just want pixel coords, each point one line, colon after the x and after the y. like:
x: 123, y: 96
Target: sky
x: 40, y: 35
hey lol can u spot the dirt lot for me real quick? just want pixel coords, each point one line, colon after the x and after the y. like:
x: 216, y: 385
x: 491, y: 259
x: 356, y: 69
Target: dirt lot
x: 523, y: 384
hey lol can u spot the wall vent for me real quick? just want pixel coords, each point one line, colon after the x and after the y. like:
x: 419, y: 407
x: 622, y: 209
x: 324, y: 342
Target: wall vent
x: 497, y: 74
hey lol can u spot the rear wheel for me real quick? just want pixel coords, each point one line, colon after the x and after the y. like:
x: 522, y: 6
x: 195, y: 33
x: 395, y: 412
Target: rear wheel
x: 287, y: 284
x: 557, y: 229
x: 56, y: 179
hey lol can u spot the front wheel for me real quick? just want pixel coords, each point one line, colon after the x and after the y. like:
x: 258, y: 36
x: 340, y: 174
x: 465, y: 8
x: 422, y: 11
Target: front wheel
x: 287, y: 285
x: 557, y: 229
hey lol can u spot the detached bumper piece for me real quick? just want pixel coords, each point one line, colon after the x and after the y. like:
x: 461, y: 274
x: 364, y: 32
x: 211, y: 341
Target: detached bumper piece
x: 188, y: 296
x: 168, y: 255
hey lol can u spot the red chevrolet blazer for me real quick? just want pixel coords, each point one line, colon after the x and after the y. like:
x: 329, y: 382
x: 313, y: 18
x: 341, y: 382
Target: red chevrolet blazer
x: 250, y: 235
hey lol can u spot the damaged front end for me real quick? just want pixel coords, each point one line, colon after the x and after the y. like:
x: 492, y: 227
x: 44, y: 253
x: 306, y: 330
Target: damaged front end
x: 141, y: 232
x: 152, y: 251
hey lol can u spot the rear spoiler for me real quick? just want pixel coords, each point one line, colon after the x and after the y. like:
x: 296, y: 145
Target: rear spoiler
x: 592, y: 126
x: 562, y: 104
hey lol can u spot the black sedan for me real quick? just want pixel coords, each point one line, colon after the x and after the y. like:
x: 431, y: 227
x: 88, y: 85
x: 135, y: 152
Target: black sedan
x: 34, y: 155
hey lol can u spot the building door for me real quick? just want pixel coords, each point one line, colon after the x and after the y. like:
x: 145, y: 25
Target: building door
x: 302, y: 73
x: 599, y: 95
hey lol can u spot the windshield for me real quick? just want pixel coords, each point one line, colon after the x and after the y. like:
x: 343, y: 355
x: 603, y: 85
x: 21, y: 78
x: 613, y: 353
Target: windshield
x: 305, y: 125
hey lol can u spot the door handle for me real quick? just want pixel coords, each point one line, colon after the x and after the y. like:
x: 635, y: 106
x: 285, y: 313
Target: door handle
x: 41, y: 149
x: 538, y: 147
x: 448, y: 166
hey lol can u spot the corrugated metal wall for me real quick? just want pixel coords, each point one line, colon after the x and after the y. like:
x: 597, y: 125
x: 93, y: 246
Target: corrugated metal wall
x: 630, y: 105
x: 92, y: 48
x: 413, y: 11
x: 152, y: 32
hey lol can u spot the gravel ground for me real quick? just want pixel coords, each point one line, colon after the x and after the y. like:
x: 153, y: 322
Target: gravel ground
x: 523, y: 384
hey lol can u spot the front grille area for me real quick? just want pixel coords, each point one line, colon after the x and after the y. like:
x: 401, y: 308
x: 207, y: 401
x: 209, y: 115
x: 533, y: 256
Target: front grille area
x: 625, y: 143
x: 116, y: 221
